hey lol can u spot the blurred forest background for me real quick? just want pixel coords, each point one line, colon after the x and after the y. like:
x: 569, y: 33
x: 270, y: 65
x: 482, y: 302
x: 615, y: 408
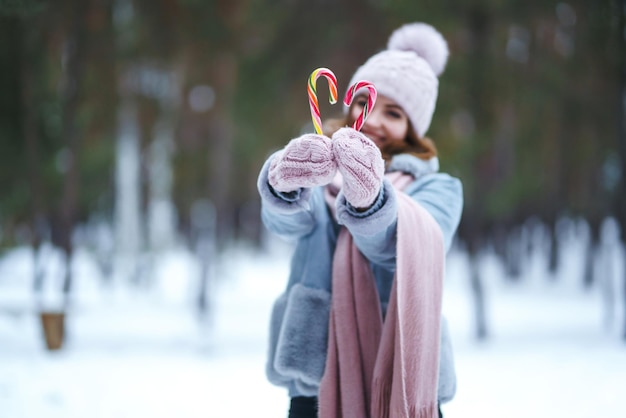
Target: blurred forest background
x: 132, y: 125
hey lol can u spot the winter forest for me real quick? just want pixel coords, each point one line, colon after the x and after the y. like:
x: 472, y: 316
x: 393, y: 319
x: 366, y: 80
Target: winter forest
x: 136, y: 277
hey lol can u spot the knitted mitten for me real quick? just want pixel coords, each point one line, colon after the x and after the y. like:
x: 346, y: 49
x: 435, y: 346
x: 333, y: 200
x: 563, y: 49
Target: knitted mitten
x: 306, y: 161
x: 361, y: 165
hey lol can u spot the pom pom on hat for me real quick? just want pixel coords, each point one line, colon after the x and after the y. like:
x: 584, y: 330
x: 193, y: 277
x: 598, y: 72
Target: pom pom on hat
x: 407, y: 71
x: 425, y: 41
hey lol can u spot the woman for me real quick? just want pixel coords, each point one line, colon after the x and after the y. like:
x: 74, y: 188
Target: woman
x: 358, y: 331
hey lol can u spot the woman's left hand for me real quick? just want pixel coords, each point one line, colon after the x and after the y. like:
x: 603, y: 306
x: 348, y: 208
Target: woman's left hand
x: 361, y: 165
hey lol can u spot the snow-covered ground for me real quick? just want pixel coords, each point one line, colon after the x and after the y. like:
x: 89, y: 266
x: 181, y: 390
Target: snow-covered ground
x: 143, y: 353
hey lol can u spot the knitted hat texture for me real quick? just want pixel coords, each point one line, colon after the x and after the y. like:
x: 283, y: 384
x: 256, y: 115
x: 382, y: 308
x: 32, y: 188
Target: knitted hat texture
x: 407, y: 71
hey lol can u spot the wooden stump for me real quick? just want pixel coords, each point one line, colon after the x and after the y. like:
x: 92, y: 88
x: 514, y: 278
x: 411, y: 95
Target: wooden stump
x: 53, y: 324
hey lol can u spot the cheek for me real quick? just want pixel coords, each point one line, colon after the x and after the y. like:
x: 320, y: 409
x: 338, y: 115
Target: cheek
x: 399, y: 130
x: 354, y: 113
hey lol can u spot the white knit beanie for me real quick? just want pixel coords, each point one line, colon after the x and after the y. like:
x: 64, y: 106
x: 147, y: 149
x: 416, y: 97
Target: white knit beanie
x: 407, y: 71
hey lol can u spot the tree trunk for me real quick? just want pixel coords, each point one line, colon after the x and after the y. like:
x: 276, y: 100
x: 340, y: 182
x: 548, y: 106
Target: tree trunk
x: 621, y: 197
x: 478, y: 23
x: 591, y: 253
x: 608, y: 251
x: 514, y: 253
x: 75, y: 56
x: 161, y: 228
x: 478, y: 292
x: 554, y: 251
x: 128, y: 238
x: 30, y: 132
x: 470, y: 233
x: 203, y: 235
x: 222, y: 137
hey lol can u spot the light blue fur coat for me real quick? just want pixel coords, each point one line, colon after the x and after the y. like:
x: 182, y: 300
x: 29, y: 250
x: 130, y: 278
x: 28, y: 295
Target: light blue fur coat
x: 299, y: 320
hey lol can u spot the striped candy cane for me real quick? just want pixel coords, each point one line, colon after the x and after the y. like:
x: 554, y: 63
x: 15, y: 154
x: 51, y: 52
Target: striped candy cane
x: 312, y: 92
x: 371, y: 100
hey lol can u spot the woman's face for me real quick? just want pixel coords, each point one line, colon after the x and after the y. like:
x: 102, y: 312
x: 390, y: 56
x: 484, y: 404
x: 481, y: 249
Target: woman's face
x: 387, y: 123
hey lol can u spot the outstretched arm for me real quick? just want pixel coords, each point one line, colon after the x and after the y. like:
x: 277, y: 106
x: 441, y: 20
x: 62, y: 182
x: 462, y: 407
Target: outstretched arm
x: 374, y: 230
x: 286, y: 180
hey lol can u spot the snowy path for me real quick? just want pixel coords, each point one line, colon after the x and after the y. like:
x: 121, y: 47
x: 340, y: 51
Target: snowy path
x: 138, y: 356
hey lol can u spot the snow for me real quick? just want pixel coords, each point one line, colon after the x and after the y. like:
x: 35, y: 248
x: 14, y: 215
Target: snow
x: 141, y: 351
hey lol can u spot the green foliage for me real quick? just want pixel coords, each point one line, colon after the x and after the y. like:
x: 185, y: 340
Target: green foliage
x: 22, y: 8
x: 527, y: 113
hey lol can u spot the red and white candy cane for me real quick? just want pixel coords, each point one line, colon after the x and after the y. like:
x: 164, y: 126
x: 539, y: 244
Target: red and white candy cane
x: 371, y: 100
x: 312, y: 92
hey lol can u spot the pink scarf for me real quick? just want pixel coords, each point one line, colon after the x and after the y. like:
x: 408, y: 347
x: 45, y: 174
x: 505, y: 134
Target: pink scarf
x: 390, y: 369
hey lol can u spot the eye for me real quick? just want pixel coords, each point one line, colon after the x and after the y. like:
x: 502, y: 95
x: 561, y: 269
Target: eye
x: 394, y: 114
x: 361, y: 102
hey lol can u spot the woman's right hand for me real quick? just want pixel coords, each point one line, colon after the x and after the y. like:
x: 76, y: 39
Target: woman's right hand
x: 306, y: 161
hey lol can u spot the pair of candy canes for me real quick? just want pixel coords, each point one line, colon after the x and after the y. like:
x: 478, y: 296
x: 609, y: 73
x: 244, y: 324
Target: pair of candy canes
x: 332, y: 86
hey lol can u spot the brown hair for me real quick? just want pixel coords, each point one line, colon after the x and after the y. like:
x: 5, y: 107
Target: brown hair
x: 423, y: 148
